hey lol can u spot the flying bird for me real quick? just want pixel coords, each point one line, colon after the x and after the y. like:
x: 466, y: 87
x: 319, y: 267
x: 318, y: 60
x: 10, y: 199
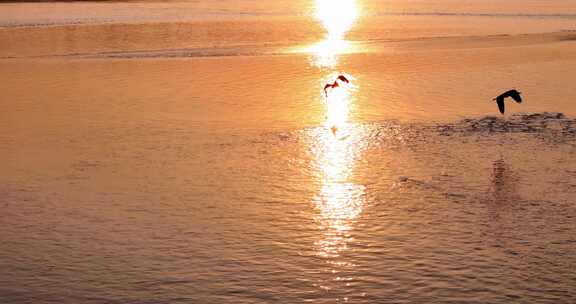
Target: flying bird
x: 335, y: 84
x: 511, y: 93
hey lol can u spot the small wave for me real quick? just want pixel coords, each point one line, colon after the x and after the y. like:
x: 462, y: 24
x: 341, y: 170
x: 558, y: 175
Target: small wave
x: 551, y: 125
x: 471, y: 14
x: 168, y: 53
x: 55, y: 23
x: 234, y: 15
x: 287, y: 48
x: 181, y: 53
x: 204, y: 16
x: 241, y: 50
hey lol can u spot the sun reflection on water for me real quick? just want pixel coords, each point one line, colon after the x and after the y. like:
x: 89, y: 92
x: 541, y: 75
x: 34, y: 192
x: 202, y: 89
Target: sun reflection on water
x: 336, y: 145
x: 340, y: 201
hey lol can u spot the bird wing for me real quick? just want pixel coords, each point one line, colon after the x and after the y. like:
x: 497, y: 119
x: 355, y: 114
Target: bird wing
x: 516, y: 96
x: 341, y: 77
x: 500, y: 102
x: 326, y: 87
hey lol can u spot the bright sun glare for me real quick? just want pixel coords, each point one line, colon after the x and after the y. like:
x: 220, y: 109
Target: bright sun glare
x: 337, y: 17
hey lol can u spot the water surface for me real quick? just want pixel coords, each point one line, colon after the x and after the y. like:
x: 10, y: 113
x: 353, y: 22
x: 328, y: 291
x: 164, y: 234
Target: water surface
x: 186, y: 153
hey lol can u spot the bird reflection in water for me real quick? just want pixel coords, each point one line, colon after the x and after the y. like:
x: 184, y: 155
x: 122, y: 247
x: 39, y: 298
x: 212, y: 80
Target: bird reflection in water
x: 502, y: 206
x: 503, y: 182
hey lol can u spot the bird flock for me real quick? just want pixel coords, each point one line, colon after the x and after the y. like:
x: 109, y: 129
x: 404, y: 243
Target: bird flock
x: 514, y: 94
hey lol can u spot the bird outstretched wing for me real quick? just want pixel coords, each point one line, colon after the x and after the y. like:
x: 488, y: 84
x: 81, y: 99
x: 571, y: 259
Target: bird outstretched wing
x: 500, y: 102
x: 326, y: 87
x: 516, y: 96
x: 341, y: 77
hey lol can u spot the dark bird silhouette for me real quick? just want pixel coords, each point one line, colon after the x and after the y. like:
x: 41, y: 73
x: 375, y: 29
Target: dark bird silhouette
x: 342, y: 78
x: 335, y: 84
x: 511, y: 93
x: 328, y: 85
